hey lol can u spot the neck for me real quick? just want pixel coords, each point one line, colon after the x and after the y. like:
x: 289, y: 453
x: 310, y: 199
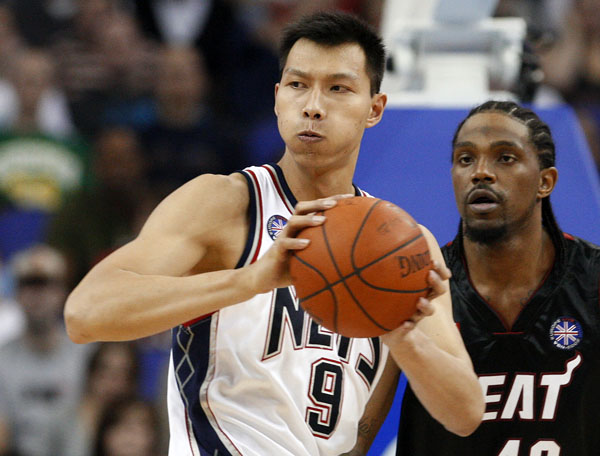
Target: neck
x: 522, y: 259
x: 309, y: 183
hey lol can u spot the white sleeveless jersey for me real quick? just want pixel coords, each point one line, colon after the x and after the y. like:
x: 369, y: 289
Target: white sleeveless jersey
x: 260, y: 377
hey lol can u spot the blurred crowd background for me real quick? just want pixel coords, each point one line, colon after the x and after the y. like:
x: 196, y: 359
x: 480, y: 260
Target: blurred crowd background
x: 106, y: 106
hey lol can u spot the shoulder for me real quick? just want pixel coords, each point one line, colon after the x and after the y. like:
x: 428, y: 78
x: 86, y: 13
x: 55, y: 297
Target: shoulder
x: 207, y: 199
x: 582, y: 242
x: 582, y: 251
x: 212, y: 189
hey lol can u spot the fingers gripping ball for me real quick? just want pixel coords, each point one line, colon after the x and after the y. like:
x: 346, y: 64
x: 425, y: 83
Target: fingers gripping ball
x: 365, y: 268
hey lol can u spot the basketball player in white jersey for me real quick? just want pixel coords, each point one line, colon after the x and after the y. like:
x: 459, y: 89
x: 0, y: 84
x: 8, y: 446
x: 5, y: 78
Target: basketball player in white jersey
x: 250, y: 372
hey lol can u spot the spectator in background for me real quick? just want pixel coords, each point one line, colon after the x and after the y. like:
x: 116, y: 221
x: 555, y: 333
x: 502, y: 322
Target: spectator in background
x: 32, y: 102
x: 130, y: 62
x: 40, y: 21
x: 543, y: 17
x: 216, y: 29
x: 12, y: 318
x: 571, y: 64
x: 128, y: 427
x: 41, y: 372
x: 210, y: 26
x: 10, y: 39
x: 112, y: 374
x: 187, y: 138
x: 40, y: 161
x: 106, y: 66
x: 100, y: 217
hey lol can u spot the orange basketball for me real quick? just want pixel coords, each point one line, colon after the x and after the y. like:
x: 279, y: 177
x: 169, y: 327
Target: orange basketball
x: 365, y: 268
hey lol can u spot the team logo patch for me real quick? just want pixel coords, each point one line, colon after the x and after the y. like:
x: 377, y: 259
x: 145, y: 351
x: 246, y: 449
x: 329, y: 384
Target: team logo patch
x: 275, y: 224
x: 566, y: 333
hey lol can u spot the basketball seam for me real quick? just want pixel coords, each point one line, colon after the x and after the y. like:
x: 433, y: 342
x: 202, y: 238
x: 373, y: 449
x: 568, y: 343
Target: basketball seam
x: 357, y: 273
x: 343, y: 279
x: 329, y: 286
x: 326, y: 288
x: 359, y: 270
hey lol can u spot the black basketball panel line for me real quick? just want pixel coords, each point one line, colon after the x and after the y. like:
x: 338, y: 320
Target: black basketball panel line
x: 328, y: 287
x: 357, y: 271
x: 342, y: 279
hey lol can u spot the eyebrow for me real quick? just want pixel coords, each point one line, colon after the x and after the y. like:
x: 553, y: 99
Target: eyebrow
x: 464, y: 144
x: 303, y: 74
x: 502, y: 142
x: 505, y: 143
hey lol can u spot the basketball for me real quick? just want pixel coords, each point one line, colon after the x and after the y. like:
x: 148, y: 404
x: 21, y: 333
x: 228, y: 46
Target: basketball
x: 364, y: 270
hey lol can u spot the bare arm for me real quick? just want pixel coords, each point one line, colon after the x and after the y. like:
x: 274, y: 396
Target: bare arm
x: 180, y: 267
x: 436, y: 363
x: 376, y: 409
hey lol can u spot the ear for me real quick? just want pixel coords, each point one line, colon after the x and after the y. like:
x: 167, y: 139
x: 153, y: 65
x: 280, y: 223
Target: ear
x: 548, y: 178
x: 275, y: 105
x: 378, y: 102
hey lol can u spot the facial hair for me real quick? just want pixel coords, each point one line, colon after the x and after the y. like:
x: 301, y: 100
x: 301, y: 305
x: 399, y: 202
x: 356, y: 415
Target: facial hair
x: 494, y: 235
x: 485, y: 236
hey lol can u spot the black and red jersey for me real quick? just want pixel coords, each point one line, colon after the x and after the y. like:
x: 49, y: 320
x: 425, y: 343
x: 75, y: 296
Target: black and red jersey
x: 541, y: 378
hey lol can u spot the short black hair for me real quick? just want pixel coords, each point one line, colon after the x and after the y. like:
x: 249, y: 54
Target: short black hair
x: 334, y: 29
x: 541, y: 138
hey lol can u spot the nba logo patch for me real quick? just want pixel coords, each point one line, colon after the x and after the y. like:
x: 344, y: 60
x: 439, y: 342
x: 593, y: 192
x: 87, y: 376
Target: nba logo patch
x: 566, y: 333
x: 275, y: 224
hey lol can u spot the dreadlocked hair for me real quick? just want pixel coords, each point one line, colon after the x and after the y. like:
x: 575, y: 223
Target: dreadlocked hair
x: 541, y: 138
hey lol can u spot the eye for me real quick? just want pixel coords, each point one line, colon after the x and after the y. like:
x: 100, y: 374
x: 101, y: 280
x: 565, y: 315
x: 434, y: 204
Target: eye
x: 507, y: 158
x: 296, y: 84
x: 339, y: 88
x: 463, y: 159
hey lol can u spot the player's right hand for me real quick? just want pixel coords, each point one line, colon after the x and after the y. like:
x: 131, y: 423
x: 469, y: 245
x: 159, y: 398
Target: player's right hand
x: 272, y: 269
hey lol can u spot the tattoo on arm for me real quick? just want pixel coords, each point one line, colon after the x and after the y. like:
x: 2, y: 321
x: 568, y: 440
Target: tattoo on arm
x: 366, y: 427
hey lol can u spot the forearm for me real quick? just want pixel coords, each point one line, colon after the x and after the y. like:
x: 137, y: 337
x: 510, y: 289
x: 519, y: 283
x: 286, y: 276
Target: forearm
x: 376, y: 409
x: 445, y: 384
x: 125, y: 305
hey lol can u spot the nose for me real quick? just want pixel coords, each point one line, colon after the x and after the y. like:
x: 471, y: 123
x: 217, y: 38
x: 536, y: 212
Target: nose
x: 313, y: 108
x: 483, y: 172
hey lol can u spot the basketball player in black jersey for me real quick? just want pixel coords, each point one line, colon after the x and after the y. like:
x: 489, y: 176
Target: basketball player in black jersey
x: 525, y: 298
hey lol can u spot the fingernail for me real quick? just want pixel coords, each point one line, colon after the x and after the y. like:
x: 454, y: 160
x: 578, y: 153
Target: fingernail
x: 318, y: 218
x: 303, y: 242
x: 329, y: 203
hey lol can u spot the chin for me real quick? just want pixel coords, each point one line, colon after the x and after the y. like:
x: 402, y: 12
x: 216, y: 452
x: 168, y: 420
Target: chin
x: 486, y: 235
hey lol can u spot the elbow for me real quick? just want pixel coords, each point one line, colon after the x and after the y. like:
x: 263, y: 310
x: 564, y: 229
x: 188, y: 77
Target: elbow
x: 77, y: 323
x: 469, y: 419
x: 465, y: 428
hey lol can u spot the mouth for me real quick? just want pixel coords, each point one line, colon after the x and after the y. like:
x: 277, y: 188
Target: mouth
x: 482, y: 201
x: 309, y: 136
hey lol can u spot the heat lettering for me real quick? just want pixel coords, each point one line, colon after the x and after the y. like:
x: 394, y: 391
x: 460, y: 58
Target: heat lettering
x: 519, y: 400
x: 554, y: 383
x: 486, y: 382
x: 520, y: 392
